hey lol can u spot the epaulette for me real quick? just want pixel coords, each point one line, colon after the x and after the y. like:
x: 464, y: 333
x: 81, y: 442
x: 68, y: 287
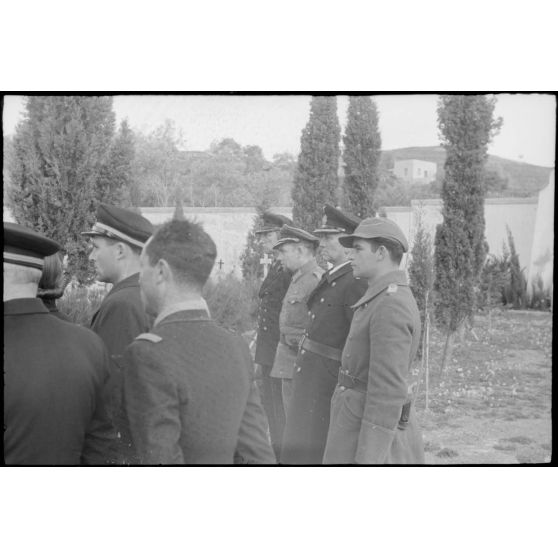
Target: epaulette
x: 392, y: 288
x: 149, y: 337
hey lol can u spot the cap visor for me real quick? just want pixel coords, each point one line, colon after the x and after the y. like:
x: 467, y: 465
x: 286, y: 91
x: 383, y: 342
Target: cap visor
x: 284, y: 241
x: 347, y: 241
x: 91, y: 233
x: 328, y: 231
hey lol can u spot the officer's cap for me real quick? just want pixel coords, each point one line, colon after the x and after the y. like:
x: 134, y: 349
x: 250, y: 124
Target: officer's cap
x: 121, y: 224
x: 273, y: 222
x: 335, y: 221
x: 376, y: 227
x: 23, y: 246
x: 292, y: 234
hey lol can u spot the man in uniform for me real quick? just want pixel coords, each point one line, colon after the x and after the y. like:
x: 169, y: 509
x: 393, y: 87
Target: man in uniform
x: 297, y: 253
x: 189, y: 389
x: 319, y: 357
x: 271, y: 295
x: 372, y: 420
x: 54, y: 371
x: 117, y: 238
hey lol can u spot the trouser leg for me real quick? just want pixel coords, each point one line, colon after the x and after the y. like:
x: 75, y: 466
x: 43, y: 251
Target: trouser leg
x: 273, y: 405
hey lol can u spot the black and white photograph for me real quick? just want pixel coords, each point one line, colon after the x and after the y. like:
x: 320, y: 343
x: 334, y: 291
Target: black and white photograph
x: 268, y: 279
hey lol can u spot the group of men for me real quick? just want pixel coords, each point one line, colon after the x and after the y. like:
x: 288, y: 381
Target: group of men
x: 155, y: 381
x: 335, y: 347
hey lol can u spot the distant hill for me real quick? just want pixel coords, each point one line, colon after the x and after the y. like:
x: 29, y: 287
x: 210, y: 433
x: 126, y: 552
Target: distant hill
x: 524, y: 179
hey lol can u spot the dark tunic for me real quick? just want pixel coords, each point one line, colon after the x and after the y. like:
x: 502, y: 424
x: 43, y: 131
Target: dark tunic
x: 271, y: 294
x: 315, y: 375
x: 190, y: 395
x: 54, y: 376
x: 118, y: 321
x: 367, y: 406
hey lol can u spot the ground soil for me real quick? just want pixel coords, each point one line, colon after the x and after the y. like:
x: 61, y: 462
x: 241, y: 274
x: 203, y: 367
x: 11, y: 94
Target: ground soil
x: 493, y: 404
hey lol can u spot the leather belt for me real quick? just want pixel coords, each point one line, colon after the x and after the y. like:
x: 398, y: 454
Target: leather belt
x: 321, y: 349
x: 346, y: 380
x: 292, y: 348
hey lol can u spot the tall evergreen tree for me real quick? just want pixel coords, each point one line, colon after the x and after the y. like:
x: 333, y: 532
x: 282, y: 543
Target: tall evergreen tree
x: 361, y: 156
x: 467, y: 126
x: 316, y: 178
x: 60, y: 149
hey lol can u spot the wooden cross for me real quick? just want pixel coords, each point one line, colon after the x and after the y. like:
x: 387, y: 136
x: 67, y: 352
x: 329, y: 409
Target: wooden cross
x: 266, y: 261
x: 220, y: 263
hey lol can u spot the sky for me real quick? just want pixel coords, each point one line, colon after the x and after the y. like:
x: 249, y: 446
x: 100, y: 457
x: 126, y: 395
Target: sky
x: 275, y: 122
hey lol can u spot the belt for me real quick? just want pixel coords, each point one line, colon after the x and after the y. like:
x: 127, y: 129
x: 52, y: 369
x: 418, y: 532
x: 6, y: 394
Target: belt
x: 346, y: 380
x: 321, y: 349
x: 293, y: 348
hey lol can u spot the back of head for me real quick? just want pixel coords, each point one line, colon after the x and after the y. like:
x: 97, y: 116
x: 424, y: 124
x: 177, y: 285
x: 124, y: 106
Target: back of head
x: 189, y: 251
x: 51, y: 285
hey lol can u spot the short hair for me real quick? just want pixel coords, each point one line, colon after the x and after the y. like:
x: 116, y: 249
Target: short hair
x: 51, y: 284
x: 394, y: 248
x: 186, y: 247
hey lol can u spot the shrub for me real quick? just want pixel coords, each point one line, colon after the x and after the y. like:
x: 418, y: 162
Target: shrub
x: 233, y: 303
x: 80, y: 303
x: 541, y: 298
x: 494, y: 279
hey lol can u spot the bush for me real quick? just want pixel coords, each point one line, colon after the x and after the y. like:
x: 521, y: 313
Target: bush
x: 80, y: 303
x: 494, y: 279
x: 541, y: 298
x: 233, y: 303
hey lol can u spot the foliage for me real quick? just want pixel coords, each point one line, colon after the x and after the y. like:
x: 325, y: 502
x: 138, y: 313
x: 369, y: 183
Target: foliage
x: 517, y: 292
x: 421, y: 270
x: 79, y: 303
x: 316, y: 178
x: 494, y: 279
x: 233, y: 302
x: 540, y: 298
x: 60, y: 150
x: 467, y: 126
x: 361, y: 156
x: 250, y: 258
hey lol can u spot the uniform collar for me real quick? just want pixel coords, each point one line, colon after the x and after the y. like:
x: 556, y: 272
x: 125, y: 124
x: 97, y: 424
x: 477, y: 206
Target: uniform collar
x: 131, y: 281
x: 308, y: 267
x: 338, y: 271
x: 17, y: 306
x: 197, y: 304
x: 398, y: 277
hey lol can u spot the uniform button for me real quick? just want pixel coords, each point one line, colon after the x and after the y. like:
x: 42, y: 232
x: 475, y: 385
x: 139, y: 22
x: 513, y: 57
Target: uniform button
x: 322, y: 299
x: 309, y: 312
x: 342, y: 388
x: 265, y: 328
x: 298, y: 368
x: 302, y: 351
x: 333, y: 284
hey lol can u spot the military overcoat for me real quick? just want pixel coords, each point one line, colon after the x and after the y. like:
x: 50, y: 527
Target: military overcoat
x: 366, y: 423
x: 118, y: 321
x: 190, y: 395
x: 54, y: 378
x: 271, y: 294
x: 315, y: 377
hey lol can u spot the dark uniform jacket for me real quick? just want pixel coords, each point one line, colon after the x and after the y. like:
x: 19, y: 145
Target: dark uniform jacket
x: 271, y: 295
x: 118, y: 321
x: 367, y: 406
x: 50, y: 304
x: 54, y: 374
x: 190, y: 395
x: 316, y: 374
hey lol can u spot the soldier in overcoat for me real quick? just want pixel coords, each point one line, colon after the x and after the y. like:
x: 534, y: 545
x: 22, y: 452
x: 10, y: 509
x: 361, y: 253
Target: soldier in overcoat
x: 117, y: 239
x: 189, y: 390
x: 297, y: 252
x: 271, y: 294
x: 372, y: 416
x: 54, y: 371
x: 317, y: 365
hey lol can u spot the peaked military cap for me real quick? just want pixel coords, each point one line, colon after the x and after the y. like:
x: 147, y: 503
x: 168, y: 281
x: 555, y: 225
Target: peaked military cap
x: 23, y: 246
x: 121, y: 224
x: 376, y: 227
x: 336, y: 221
x: 273, y: 222
x: 292, y: 234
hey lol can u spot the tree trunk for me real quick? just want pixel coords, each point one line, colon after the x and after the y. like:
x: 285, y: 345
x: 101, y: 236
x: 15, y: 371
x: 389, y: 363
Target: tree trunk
x: 446, y: 355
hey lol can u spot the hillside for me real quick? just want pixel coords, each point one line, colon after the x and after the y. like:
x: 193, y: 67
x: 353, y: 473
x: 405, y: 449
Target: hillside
x: 524, y: 179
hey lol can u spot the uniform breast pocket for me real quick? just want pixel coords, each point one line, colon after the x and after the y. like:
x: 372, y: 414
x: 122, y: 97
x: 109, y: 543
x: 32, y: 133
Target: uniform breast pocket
x: 295, y: 299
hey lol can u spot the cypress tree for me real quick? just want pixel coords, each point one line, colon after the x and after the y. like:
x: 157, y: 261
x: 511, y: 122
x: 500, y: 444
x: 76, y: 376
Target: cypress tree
x: 467, y: 125
x: 60, y: 150
x: 316, y: 178
x: 361, y: 156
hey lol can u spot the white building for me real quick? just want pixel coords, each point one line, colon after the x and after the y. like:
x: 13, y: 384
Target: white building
x: 415, y: 170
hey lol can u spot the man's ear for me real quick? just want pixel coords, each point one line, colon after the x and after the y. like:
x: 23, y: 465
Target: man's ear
x: 164, y: 271
x: 120, y: 250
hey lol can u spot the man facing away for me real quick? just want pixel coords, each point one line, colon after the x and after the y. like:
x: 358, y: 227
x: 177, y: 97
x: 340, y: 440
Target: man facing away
x: 54, y: 371
x: 271, y: 295
x: 319, y: 357
x: 189, y: 390
x: 297, y: 253
x: 117, y: 239
x: 372, y: 419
